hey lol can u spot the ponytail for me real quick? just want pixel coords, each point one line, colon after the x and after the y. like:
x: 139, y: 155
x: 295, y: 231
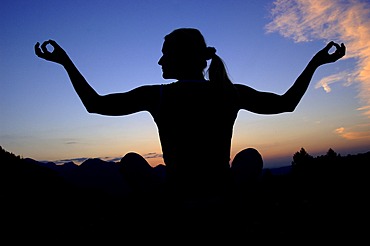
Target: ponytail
x: 217, y: 74
x: 217, y: 71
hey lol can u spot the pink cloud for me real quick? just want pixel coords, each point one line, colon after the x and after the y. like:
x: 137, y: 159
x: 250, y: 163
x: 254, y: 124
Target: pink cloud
x: 346, y: 21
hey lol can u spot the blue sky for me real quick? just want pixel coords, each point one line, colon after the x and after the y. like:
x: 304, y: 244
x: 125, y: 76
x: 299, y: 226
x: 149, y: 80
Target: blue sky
x: 116, y: 46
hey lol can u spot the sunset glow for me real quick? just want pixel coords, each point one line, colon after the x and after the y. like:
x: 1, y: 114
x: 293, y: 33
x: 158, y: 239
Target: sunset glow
x: 116, y: 46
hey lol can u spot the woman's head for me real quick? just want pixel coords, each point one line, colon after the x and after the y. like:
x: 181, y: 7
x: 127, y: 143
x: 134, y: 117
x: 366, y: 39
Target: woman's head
x: 185, y: 55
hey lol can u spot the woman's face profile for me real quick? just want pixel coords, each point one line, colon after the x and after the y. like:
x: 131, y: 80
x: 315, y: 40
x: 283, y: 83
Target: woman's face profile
x: 170, y: 61
x: 180, y: 61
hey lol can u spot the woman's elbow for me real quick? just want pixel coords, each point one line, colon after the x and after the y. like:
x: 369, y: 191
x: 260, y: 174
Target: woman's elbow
x: 92, y: 105
x: 91, y: 108
x: 290, y: 108
x: 289, y: 105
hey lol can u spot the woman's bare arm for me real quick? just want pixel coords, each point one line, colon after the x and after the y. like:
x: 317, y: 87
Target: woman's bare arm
x: 136, y: 100
x: 271, y: 103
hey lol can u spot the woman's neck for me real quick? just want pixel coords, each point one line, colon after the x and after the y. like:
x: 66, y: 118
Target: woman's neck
x: 191, y: 77
x: 192, y: 80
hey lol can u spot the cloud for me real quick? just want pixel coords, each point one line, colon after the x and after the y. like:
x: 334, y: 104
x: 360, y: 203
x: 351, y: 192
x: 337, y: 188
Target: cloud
x: 77, y: 161
x: 339, y: 130
x: 361, y: 132
x: 71, y: 142
x: 111, y: 159
x: 152, y: 155
x: 366, y: 109
x: 325, y: 82
x: 347, y: 21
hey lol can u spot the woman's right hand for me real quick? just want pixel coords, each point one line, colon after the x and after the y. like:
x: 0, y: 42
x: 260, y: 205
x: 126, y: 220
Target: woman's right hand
x: 58, y: 55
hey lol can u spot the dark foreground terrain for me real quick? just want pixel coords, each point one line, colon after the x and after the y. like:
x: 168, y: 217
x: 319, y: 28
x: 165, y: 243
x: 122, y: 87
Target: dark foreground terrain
x: 321, y: 199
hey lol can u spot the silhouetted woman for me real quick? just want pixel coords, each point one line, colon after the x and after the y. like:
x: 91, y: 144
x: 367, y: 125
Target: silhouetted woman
x: 194, y: 115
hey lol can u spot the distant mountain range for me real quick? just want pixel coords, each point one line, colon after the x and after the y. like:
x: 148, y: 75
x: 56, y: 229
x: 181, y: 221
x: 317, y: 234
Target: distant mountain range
x: 95, y: 174
x: 105, y: 175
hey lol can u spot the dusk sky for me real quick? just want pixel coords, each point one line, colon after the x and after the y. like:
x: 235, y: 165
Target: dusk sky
x: 116, y: 46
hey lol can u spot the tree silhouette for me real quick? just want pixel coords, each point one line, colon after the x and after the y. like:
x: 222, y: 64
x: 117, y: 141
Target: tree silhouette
x: 301, y: 158
x: 331, y: 153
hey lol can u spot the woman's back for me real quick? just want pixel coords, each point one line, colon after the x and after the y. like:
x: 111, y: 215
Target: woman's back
x: 195, y: 121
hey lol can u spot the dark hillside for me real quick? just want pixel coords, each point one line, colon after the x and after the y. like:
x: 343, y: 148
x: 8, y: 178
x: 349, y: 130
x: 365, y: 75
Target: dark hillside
x: 321, y: 197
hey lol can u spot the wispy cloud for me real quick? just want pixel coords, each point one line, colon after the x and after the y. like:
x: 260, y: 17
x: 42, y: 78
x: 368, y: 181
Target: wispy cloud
x: 346, y: 21
x: 111, y: 159
x: 360, y: 132
x: 77, y: 161
x: 152, y: 155
x: 325, y: 82
x: 71, y: 142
